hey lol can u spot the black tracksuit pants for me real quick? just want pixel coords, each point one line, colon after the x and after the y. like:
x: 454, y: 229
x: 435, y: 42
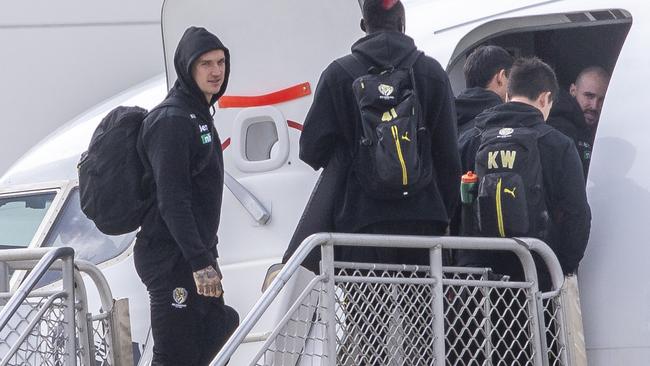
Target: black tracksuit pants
x: 188, y: 329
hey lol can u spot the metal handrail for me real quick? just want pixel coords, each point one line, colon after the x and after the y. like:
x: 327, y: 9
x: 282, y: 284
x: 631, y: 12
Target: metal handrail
x: 520, y: 247
x: 551, y: 261
x: 251, y: 204
x: 83, y: 266
x: 49, y: 256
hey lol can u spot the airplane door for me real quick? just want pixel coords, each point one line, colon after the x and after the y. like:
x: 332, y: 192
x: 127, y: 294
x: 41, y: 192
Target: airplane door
x: 569, y: 38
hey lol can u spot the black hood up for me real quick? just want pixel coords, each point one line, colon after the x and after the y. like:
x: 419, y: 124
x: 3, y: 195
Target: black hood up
x: 471, y: 102
x: 511, y: 114
x: 385, y: 48
x: 195, y: 42
x: 567, y: 108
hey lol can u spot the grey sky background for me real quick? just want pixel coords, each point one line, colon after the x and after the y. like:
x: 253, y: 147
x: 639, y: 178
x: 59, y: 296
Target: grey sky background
x: 59, y: 58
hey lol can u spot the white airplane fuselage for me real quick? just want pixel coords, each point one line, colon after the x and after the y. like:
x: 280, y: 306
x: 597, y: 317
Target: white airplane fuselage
x: 260, y: 139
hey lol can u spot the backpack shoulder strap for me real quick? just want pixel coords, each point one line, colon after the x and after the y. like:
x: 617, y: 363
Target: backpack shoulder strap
x: 175, y: 111
x: 410, y: 61
x: 352, y: 65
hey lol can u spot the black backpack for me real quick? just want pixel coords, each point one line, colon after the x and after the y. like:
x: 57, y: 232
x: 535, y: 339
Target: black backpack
x: 110, y: 173
x: 511, y: 200
x: 393, y: 159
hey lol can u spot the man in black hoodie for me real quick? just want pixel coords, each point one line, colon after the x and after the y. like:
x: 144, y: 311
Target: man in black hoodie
x: 532, y: 87
x: 332, y: 127
x: 576, y: 113
x: 175, y: 252
x: 486, y: 78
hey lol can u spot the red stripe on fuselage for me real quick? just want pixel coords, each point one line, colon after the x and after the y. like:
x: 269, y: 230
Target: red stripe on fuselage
x: 284, y: 95
x: 225, y: 144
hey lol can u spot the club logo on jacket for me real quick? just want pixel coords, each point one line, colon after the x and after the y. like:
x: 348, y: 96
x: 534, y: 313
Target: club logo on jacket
x: 179, y: 295
x: 386, y: 91
x: 206, y: 137
x: 506, y: 132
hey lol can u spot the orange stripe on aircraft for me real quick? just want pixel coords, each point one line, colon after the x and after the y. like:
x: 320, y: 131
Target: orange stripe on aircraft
x: 285, y: 95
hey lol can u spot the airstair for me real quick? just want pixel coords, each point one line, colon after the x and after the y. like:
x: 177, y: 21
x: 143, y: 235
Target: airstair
x: 384, y: 314
x: 51, y: 325
x: 349, y: 314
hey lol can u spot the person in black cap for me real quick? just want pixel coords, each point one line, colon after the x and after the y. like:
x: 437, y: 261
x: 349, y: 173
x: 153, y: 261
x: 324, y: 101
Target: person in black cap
x: 175, y: 252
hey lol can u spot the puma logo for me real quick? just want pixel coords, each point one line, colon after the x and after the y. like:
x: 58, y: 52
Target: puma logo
x: 511, y: 192
x: 405, y: 137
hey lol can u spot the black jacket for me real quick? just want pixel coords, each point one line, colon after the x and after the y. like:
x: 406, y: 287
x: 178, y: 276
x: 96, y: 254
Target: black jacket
x: 183, y: 161
x: 331, y: 124
x: 470, y: 103
x: 567, y: 117
x: 564, y: 185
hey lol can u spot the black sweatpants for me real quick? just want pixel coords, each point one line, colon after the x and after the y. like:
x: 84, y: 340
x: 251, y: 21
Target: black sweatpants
x: 188, y: 329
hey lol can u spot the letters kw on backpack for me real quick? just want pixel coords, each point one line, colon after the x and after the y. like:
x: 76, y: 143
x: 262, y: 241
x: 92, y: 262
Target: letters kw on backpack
x: 393, y: 159
x: 511, y: 200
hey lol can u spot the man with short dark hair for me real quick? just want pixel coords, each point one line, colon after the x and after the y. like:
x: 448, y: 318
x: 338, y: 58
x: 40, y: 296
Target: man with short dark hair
x: 175, y: 253
x: 531, y: 89
x: 577, y: 113
x: 486, y: 78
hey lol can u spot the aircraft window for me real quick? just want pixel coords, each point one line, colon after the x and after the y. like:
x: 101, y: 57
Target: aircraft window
x: 73, y: 229
x: 20, y: 218
x: 260, y: 139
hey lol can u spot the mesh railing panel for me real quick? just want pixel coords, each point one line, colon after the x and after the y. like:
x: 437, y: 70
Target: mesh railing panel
x: 488, y: 325
x: 385, y: 317
x: 302, y: 338
x: 556, y: 348
x: 46, y: 342
x: 384, y: 323
x: 101, y: 341
x: 18, y: 323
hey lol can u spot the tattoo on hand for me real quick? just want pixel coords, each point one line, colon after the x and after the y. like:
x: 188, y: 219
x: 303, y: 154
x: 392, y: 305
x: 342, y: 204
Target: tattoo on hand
x: 208, y: 282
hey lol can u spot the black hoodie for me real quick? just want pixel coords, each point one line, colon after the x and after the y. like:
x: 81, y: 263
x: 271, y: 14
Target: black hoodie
x: 332, y: 124
x: 564, y: 184
x: 567, y: 117
x: 470, y: 103
x: 182, y: 155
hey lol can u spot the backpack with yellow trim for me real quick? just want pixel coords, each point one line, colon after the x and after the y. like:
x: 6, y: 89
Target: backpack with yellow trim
x: 393, y: 157
x: 511, y: 200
